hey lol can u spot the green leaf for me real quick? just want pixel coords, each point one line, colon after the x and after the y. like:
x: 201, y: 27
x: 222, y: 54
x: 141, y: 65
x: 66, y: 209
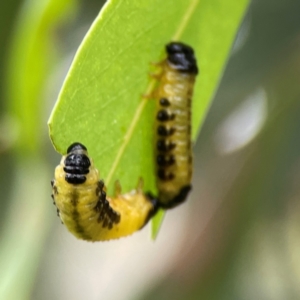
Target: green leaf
x: 100, y: 103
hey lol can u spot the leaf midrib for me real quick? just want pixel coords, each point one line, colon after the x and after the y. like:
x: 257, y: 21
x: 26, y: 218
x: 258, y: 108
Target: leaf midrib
x: 127, y: 137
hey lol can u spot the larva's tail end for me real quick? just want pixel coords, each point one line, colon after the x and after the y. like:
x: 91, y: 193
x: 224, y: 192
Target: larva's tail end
x: 155, y: 206
x: 155, y: 203
x: 178, y: 199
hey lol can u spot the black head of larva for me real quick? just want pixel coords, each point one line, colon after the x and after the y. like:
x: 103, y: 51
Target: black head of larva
x: 182, y: 57
x: 76, y: 146
x: 77, y: 164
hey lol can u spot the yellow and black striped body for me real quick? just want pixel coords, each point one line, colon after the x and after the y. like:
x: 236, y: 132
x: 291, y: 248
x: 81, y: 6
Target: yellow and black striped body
x: 82, y: 204
x: 173, y: 124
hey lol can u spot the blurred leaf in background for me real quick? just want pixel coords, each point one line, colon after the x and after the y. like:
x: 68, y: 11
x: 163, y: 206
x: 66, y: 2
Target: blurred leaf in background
x: 30, y: 55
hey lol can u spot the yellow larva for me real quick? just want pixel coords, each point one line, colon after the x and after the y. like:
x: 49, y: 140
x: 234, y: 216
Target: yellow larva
x: 85, y: 209
x: 173, y: 145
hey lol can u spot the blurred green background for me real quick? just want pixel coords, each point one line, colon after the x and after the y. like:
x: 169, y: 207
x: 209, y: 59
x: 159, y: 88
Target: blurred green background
x: 238, y: 235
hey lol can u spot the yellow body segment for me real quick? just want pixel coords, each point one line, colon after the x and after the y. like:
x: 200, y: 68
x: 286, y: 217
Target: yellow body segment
x: 177, y: 88
x: 173, y: 147
x: 88, y: 217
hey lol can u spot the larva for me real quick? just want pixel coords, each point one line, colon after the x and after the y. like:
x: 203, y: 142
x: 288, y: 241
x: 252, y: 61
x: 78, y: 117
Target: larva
x: 85, y: 209
x: 173, y: 147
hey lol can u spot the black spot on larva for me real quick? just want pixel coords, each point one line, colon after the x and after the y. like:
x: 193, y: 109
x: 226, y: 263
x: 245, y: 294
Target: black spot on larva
x: 103, y: 198
x: 164, y: 102
x: 52, y: 183
x: 55, y: 190
x: 165, y: 146
x: 164, y: 175
x: 182, y: 58
x: 101, y: 216
x: 105, y: 223
x: 164, y: 116
x: 164, y: 131
x: 101, y: 184
x: 165, y: 161
x: 100, y: 187
x: 117, y: 218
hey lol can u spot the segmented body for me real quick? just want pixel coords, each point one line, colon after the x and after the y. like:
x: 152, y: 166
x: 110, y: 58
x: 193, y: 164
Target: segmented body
x: 85, y: 209
x: 173, y: 129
